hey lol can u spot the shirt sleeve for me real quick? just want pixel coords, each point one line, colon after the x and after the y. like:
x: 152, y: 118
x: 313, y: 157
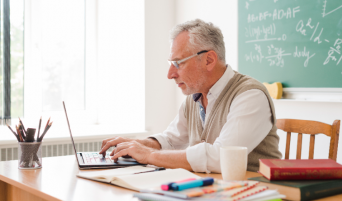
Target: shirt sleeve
x: 248, y: 123
x: 176, y: 135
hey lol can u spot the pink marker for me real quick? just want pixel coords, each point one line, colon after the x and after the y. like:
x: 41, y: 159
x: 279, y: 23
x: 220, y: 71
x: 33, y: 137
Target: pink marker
x: 167, y: 186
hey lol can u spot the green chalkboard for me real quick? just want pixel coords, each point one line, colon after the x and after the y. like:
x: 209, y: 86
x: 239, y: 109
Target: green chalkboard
x: 295, y: 42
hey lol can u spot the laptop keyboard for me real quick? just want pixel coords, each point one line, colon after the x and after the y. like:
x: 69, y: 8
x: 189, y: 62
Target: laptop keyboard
x: 95, y: 158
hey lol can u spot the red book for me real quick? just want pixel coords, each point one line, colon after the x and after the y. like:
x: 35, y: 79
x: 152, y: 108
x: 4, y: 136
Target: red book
x: 303, y: 169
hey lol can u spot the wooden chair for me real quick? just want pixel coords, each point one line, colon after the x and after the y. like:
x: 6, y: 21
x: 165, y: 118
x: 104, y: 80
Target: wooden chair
x: 312, y: 128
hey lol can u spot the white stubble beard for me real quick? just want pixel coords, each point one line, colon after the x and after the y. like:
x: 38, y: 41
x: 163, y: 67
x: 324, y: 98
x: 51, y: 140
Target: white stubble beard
x: 198, y: 86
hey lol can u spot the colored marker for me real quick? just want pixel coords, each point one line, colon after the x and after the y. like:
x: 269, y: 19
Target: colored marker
x: 167, y: 186
x: 192, y: 184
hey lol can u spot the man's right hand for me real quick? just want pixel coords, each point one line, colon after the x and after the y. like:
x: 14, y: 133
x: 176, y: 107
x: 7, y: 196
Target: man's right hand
x: 107, y: 143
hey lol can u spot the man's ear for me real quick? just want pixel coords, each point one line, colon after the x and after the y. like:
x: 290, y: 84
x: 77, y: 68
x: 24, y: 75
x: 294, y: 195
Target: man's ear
x: 211, y: 60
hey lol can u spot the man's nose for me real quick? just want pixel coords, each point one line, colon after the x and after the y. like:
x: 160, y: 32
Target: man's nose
x: 172, y: 72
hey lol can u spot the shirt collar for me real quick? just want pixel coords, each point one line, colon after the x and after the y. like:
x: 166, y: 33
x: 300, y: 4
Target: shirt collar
x: 196, y: 96
x: 217, y: 88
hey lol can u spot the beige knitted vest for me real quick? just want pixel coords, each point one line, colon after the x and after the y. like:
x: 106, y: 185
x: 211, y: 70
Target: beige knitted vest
x: 268, y: 148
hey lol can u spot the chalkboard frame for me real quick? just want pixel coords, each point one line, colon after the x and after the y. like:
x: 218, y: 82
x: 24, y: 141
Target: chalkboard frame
x: 313, y: 94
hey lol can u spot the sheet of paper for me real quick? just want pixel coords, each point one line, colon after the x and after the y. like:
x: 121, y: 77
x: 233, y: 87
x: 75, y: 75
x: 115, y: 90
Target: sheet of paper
x: 153, y: 180
x: 108, y: 175
x: 265, y: 195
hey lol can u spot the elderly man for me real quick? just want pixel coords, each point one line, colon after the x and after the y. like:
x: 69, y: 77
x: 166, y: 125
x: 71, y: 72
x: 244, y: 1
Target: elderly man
x: 223, y: 108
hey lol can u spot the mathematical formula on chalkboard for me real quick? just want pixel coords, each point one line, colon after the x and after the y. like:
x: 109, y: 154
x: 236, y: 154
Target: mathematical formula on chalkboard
x: 297, y: 42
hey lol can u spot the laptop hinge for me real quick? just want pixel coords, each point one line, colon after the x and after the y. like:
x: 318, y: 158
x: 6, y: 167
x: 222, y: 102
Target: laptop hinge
x: 80, y: 158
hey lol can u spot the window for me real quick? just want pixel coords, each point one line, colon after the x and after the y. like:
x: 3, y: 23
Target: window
x: 11, y: 101
x: 89, y: 54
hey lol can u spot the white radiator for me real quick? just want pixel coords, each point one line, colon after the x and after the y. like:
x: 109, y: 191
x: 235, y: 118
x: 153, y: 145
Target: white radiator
x: 50, y: 150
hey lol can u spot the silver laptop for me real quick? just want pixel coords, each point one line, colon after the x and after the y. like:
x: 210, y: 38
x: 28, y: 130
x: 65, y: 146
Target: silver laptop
x: 93, y: 160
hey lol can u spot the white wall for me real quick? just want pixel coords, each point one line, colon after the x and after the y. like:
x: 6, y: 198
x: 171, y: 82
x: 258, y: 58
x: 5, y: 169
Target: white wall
x: 160, y: 92
x: 161, y: 109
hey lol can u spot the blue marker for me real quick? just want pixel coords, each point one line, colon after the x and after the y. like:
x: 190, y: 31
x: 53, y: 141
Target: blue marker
x: 192, y: 184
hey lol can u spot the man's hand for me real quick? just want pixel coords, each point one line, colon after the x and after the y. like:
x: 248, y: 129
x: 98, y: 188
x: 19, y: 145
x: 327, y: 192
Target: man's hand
x: 107, y: 143
x: 134, y: 149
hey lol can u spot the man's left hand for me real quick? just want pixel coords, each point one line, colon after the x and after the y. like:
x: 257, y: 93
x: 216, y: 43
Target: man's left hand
x: 134, y: 149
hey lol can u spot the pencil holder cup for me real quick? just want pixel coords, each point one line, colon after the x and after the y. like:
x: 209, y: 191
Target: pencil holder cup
x: 29, y: 155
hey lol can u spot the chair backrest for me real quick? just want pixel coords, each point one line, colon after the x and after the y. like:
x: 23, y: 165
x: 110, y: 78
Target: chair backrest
x: 312, y: 128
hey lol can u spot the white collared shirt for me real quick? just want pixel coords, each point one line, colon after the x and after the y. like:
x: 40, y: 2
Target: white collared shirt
x: 248, y: 123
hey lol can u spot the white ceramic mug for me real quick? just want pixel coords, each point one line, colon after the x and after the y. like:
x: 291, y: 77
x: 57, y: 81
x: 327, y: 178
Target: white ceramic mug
x: 233, y: 161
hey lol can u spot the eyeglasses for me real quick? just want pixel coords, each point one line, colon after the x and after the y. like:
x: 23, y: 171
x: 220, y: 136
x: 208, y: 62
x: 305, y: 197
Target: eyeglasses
x: 176, y: 63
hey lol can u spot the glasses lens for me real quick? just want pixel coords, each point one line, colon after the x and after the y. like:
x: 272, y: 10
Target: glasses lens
x: 173, y: 63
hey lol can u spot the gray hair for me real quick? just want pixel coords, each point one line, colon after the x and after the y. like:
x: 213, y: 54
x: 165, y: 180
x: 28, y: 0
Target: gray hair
x: 203, y: 36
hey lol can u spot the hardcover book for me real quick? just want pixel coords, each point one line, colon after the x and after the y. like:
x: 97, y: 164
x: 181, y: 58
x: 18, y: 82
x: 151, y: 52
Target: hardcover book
x: 288, y: 169
x: 303, y: 189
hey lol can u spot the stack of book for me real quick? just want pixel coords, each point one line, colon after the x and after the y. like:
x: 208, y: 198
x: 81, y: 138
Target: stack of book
x: 305, y: 179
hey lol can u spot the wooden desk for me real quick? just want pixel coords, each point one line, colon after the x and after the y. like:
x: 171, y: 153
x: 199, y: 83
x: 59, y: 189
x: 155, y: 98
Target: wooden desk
x: 57, y: 181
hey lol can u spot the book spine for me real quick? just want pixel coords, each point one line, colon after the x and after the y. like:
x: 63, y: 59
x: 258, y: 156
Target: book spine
x: 320, y: 191
x: 304, y: 174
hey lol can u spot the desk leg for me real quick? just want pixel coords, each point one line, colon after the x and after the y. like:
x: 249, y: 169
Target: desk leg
x: 9, y: 193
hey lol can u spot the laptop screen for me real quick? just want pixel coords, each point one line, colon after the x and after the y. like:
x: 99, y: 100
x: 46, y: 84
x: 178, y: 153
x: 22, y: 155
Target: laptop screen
x: 72, y: 139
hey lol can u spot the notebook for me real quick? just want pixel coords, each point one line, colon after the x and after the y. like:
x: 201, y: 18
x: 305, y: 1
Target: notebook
x: 138, y: 178
x: 93, y: 160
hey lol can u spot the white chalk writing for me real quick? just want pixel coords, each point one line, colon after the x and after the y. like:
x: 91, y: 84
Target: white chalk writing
x: 325, y: 6
x: 331, y: 53
x: 265, y: 31
x: 303, y: 53
x: 255, y: 57
x: 276, y: 59
x: 277, y: 14
x: 247, y: 5
x: 301, y: 28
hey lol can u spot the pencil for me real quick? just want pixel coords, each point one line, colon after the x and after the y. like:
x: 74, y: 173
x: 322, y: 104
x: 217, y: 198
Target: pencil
x: 47, y: 123
x: 23, y: 126
x: 46, y: 130
x: 40, y: 123
x: 13, y: 133
x: 21, y: 138
x: 21, y: 131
